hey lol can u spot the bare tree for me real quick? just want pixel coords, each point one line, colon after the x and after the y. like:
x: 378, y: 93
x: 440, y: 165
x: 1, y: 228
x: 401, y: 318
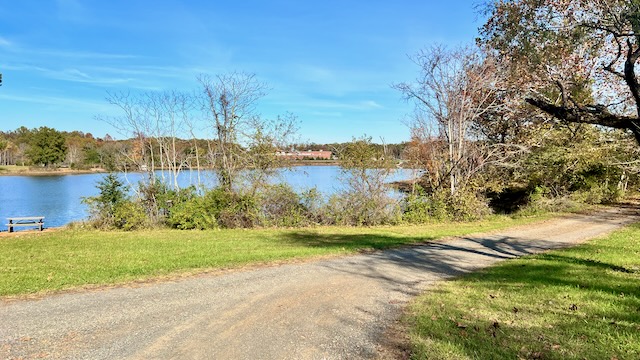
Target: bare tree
x: 265, y: 139
x: 171, y: 112
x: 241, y: 138
x: 365, y: 170
x: 134, y: 123
x: 155, y: 121
x: 454, y: 89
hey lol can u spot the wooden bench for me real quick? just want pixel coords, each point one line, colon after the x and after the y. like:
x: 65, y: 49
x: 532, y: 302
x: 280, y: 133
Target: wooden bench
x: 37, y: 221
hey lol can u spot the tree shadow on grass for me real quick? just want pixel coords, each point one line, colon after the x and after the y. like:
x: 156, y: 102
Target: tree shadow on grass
x: 587, y: 262
x: 552, y: 285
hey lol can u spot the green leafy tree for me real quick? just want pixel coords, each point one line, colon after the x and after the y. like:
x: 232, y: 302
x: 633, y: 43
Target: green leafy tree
x: 105, y: 206
x: 48, y: 146
x: 575, y: 60
x: 112, y: 192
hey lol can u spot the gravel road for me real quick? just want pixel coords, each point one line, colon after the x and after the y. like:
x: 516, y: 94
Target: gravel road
x: 331, y: 309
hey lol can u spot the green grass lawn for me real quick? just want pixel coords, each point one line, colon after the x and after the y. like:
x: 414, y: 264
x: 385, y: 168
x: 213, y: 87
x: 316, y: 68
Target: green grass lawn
x: 578, y: 303
x: 43, y: 262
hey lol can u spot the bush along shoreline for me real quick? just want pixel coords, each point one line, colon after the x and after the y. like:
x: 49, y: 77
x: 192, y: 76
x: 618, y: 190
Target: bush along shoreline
x: 551, y: 181
x: 155, y: 205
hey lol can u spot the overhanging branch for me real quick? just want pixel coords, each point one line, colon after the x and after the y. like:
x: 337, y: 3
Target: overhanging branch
x: 592, y: 114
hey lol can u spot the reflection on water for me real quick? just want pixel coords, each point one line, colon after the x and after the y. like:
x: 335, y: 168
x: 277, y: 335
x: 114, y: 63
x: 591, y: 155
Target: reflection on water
x: 58, y: 198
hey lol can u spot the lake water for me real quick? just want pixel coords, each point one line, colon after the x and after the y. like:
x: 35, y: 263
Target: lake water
x: 59, y: 198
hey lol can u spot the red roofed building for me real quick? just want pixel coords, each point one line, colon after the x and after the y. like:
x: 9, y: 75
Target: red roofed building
x: 306, y: 155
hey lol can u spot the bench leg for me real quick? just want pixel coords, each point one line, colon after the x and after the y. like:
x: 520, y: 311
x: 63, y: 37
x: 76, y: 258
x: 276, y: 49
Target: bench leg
x: 10, y: 228
x: 41, y: 226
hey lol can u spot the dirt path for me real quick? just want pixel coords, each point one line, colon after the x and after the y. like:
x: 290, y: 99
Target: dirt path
x: 334, y: 309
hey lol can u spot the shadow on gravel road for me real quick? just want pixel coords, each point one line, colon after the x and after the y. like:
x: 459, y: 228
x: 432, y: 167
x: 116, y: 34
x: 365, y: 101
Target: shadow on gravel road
x: 407, y: 267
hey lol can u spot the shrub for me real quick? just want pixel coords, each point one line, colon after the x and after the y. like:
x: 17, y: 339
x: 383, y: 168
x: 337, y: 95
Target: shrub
x: 359, y: 209
x: 102, y: 207
x: 130, y: 215
x: 280, y: 205
x: 313, y: 202
x: 153, y: 195
x: 191, y: 214
x: 468, y: 206
x: 439, y: 205
x: 365, y: 200
x: 541, y: 200
x: 422, y: 208
x: 232, y: 210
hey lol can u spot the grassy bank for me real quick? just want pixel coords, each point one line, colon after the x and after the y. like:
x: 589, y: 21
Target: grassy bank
x: 579, y: 303
x: 37, y: 171
x: 42, y: 262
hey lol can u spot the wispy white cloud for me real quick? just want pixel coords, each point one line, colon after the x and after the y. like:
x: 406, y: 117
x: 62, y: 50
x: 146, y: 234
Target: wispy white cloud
x: 344, y: 104
x: 327, y: 114
x: 344, y: 81
x: 78, y: 54
x: 370, y: 104
x: 56, y: 100
x: 76, y: 75
x: 22, y: 67
x: 70, y: 74
x: 316, y: 74
x: 333, y: 107
x: 46, y: 54
x: 4, y: 42
x: 149, y: 70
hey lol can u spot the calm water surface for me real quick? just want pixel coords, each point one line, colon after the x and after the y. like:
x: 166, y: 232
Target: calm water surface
x: 59, y: 198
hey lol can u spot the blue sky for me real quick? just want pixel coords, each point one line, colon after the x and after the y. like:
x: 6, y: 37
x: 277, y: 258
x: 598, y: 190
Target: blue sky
x: 329, y: 62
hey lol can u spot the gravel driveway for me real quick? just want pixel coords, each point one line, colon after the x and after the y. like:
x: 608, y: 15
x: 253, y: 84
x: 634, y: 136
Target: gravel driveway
x: 332, y: 309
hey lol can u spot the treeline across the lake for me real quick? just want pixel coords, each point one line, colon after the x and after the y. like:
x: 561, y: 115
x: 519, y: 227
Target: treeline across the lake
x: 51, y: 148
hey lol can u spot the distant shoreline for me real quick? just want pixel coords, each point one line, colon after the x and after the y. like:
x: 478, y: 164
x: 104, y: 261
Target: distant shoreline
x: 15, y: 170
x: 25, y: 171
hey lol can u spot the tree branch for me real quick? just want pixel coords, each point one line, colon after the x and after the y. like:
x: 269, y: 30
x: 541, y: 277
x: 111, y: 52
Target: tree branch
x: 592, y: 114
